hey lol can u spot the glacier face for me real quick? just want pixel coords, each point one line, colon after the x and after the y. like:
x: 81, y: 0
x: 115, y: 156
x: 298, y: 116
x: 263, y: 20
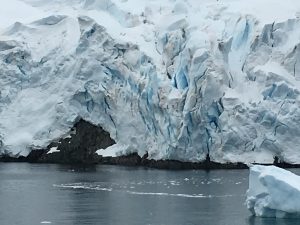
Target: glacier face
x: 176, y: 79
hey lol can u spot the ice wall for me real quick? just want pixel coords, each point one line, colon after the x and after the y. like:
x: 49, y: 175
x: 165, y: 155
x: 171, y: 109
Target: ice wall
x: 175, y: 79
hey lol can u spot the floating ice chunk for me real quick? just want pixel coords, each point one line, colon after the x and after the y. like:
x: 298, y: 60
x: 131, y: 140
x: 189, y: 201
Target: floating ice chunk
x: 273, y: 192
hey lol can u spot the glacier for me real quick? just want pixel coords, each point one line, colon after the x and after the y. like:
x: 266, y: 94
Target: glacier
x: 273, y: 192
x: 174, y: 79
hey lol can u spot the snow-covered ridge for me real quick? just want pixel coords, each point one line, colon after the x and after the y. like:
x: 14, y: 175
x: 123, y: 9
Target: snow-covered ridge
x: 176, y: 79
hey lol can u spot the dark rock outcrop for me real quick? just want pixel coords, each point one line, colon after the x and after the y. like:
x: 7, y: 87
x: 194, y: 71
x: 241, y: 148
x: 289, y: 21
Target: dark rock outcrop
x: 80, y: 147
x: 135, y: 160
x: 85, y: 139
x: 35, y: 155
x: 8, y: 158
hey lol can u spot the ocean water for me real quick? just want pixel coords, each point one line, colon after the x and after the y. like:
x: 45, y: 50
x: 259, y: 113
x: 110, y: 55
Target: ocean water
x: 32, y: 194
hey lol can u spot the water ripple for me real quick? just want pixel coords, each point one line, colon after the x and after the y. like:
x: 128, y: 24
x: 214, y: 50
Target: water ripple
x: 98, y: 187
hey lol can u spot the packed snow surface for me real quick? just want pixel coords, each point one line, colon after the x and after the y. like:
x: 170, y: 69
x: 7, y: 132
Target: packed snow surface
x: 177, y: 78
x: 52, y: 150
x: 273, y: 192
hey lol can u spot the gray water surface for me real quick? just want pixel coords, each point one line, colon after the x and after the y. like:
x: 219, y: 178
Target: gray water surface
x: 33, y: 194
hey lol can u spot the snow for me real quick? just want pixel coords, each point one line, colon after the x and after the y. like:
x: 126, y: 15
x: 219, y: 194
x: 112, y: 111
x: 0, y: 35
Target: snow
x: 273, y: 192
x: 113, y: 151
x: 10, y: 13
x: 176, y: 79
x: 52, y: 150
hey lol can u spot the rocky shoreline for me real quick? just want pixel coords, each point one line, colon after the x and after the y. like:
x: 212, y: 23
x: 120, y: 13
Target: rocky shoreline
x: 84, y: 139
x: 135, y: 160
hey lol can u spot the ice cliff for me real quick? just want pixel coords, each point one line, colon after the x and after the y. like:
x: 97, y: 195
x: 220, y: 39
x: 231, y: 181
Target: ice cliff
x: 273, y: 192
x: 174, y: 79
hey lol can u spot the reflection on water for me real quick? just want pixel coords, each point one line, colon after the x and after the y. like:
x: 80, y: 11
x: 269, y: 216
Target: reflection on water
x: 271, y: 221
x: 55, y: 194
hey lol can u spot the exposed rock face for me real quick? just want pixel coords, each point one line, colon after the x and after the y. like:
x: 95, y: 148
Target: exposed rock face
x: 80, y: 147
x: 135, y: 160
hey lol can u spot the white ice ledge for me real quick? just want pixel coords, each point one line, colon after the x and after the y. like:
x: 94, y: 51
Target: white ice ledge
x: 273, y: 192
x: 52, y: 150
x: 114, y: 151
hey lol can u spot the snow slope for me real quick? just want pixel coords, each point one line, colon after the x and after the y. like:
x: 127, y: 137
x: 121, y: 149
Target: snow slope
x: 176, y: 78
x: 273, y: 192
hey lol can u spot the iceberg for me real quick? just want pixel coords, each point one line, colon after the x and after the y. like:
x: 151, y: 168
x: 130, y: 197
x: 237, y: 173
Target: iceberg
x: 273, y: 192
